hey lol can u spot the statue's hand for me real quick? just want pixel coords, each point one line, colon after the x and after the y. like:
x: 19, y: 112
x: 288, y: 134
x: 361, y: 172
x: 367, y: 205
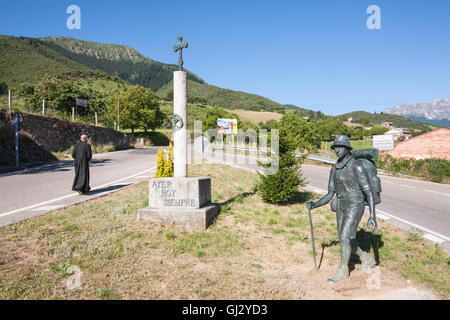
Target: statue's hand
x: 372, y: 223
x: 310, y: 205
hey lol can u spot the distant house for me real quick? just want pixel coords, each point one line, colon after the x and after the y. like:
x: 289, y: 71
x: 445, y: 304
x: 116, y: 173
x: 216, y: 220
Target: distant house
x: 433, y: 144
x: 387, y: 124
x: 399, y: 133
x: 350, y: 119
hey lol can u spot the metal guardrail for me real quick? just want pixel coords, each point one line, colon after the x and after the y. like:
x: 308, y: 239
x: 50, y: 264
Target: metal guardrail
x: 315, y: 158
x: 240, y: 148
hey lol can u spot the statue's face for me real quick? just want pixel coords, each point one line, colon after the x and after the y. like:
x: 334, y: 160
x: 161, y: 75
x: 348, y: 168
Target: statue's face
x: 341, y: 152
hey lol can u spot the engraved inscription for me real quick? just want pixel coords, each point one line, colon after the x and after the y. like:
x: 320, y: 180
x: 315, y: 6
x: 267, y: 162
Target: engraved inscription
x: 168, y: 193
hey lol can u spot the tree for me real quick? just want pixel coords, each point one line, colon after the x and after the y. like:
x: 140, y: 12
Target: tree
x: 3, y: 88
x: 327, y: 129
x: 280, y: 187
x: 298, y: 133
x: 139, y: 109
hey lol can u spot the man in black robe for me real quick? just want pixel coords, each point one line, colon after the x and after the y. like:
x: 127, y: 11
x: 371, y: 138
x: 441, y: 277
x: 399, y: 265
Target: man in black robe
x: 82, y: 154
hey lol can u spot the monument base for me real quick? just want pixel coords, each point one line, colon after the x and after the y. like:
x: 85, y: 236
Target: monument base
x: 184, y: 202
x: 198, y: 219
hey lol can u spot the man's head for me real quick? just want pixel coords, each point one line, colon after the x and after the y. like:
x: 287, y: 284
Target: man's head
x: 84, y: 137
x: 341, y: 146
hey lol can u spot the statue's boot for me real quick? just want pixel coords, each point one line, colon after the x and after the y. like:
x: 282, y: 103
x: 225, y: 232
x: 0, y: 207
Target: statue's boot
x: 367, y: 261
x: 341, y: 274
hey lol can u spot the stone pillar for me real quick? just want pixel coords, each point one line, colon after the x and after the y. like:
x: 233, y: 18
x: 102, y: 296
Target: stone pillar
x: 180, y: 133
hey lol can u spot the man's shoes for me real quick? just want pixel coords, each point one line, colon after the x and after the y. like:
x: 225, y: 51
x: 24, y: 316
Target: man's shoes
x: 367, y: 262
x: 80, y: 192
x: 341, y: 274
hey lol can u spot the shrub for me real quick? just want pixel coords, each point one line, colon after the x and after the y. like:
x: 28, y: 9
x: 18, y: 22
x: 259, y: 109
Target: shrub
x: 281, y: 186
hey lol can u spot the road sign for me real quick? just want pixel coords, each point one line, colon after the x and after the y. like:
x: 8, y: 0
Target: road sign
x: 81, y: 102
x: 383, y: 142
x: 13, y: 122
x: 227, y: 126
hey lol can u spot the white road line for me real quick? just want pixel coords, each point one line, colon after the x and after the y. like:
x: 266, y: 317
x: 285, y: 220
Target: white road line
x: 414, y: 225
x: 433, y: 238
x: 317, y: 190
x: 441, y: 193
x: 382, y: 216
x: 71, y: 195
x: 45, y: 208
x: 405, y: 185
x: 383, y: 181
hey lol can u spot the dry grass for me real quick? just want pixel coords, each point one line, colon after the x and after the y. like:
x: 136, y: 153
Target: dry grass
x: 253, y: 251
x: 258, y: 116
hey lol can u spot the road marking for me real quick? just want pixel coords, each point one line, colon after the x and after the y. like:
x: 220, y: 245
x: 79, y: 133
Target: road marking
x: 382, y: 216
x: 414, y: 225
x: 406, y: 186
x: 433, y: 238
x: 317, y: 190
x: 383, y: 181
x: 49, y: 208
x: 72, y: 194
x: 441, y: 193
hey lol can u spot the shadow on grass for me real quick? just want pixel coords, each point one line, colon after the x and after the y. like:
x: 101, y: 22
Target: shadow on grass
x: 239, y: 196
x: 301, y: 197
x: 366, y: 241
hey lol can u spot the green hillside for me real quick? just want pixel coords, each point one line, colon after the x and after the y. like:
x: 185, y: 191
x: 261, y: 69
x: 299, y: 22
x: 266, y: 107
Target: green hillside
x: 25, y: 60
x: 224, y: 98
x: 397, y: 121
x: 123, y: 61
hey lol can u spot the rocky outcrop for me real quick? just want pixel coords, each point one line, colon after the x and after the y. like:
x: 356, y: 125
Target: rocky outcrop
x: 438, y: 110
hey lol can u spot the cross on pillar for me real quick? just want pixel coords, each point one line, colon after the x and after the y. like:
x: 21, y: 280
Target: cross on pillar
x: 180, y: 48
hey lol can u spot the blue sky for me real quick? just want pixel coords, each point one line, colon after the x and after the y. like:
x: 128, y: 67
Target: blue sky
x: 314, y: 54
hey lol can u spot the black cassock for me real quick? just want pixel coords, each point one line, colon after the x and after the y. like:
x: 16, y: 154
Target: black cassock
x: 82, y: 154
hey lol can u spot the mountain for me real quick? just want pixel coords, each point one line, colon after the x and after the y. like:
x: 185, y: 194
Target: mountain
x: 114, y: 59
x: 436, y: 113
x: 27, y: 60
x: 224, y: 98
x: 379, y: 118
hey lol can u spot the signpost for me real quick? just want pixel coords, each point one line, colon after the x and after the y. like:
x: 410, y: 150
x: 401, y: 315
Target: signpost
x: 78, y: 102
x: 383, y: 142
x: 227, y: 126
x: 81, y: 102
x: 16, y: 124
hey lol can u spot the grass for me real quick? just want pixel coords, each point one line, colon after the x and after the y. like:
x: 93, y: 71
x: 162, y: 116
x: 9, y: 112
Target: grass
x: 252, y: 251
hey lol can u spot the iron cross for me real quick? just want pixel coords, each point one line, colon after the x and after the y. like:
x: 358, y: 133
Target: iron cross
x: 179, y: 48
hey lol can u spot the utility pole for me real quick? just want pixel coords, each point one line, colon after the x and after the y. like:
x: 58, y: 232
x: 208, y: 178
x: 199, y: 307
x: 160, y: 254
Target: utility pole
x: 9, y: 99
x: 43, y: 107
x: 96, y: 118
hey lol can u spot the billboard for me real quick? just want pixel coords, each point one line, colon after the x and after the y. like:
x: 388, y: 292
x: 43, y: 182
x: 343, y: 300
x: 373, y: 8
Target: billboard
x: 383, y: 142
x: 227, y: 126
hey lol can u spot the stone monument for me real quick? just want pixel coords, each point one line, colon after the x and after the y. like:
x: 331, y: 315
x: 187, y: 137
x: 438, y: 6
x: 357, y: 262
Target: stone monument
x: 182, y: 201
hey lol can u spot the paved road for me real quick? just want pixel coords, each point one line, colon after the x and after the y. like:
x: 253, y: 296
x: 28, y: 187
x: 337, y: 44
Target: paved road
x: 406, y: 203
x: 42, y: 189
